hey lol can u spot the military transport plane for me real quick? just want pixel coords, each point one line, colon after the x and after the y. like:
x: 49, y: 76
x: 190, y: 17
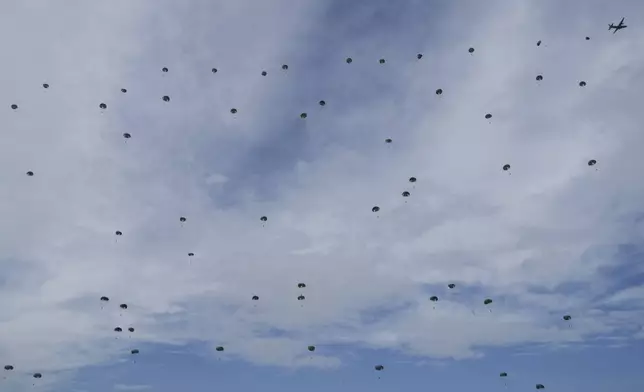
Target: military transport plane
x: 620, y: 26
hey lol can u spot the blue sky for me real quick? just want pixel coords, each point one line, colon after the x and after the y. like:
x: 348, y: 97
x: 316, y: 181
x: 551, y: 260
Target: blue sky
x: 550, y: 237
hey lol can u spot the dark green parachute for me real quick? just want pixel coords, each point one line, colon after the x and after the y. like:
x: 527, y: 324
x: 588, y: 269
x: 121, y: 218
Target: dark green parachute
x: 412, y: 179
x: 118, y: 232
x: 30, y: 173
x: 540, y: 386
x: 219, y: 348
x: 592, y: 162
x: 263, y: 219
x: 214, y: 70
x: 406, y: 194
x: 182, y: 219
x: 506, y: 167
x: 433, y: 298
x: 102, y: 106
x: 105, y: 299
x: 118, y: 329
x: 45, y: 85
x: 567, y: 317
x: 164, y: 69
x: 488, y: 116
x: 375, y: 209
x: 419, y: 56
x: 349, y: 60
x: 37, y: 375
x: 165, y: 98
x: 322, y: 103
x: 388, y: 140
x: 379, y: 367
x: 301, y: 285
x: 284, y: 67
x: 301, y: 298
x: 311, y: 348
x: 539, y: 78
x: 487, y: 301
x: 264, y: 73
x: 471, y: 50
x: 381, y: 61
x: 123, y: 306
x: 439, y: 91
x: 14, y: 106
x: 8, y: 367
x: 190, y: 254
x: 233, y: 110
x: 503, y: 374
x: 127, y: 135
x: 255, y: 298
x: 131, y: 329
x: 451, y: 285
x: 303, y: 115
x: 135, y: 351
x: 582, y: 84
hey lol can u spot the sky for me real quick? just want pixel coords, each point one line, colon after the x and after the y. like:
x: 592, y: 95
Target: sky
x: 551, y: 236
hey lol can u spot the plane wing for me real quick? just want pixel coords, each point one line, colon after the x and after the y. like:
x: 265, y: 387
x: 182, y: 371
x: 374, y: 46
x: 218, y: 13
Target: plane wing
x: 621, y: 22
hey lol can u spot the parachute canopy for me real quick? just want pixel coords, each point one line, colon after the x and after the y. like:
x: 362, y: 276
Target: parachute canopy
x: 506, y: 167
x: 190, y: 254
x: 303, y: 115
x: 166, y: 98
x: 164, y: 69
x: 375, y: 209
x: 349, y: 60
x: 14, y: 106
x: 488, y: 116
x: 118, y: 232
x: 592, y: 162
x: 540, y: 386
x: 284, y: 67
x: 8, y: 367
x: 487, y: 301
x: 406, y: 194
x: 471, y: 50
x: 582, y: 84
x: 539, y: 43
x: 419, y: 56
x: 214, y: 70
x: 131, y: 329
x: 301, y: 298
x: 233, y: 110
x: 263, y: 219
x: 124, y: 90
x: 255, y: 298
x: 503, y: 374
x: 381, y: 61
x: 123, y: 306
x: 301, y: 285
x: 412, y: 179
x: 219, y: 348
x: 567, y: 317
x: 135, y: 351
x: 105, y: 299
x: 439, y: 91
x: 379, y: 367
x: 539, y: 77
x: 311, y: 348
x: 45, y: 85
x: 182, y: 219
x: 451, y: 285
x: 433, y: 298
x: 118, y: 329
x: 30, y: 173
x: 127, y: 135
x: 388, y: 140
x: 264, y: 73
x: 102, y: 106
x: 322, y: 103
x: 37, y: 375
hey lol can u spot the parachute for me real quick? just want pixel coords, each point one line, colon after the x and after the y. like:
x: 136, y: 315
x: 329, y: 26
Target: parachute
x: 379, y: 368
x: 190, y: 254
x: 37, y: 375
x: 349, y: 60
x: 264, y: 73
x: 471, y: 50
x: 301, y: 297
x: 503, y: 374
x: 30, y: 173
x: 233, y: 110
x: 375, y: 209
x: 433, y: 298
x: 263, y: 219
x: 123, y: 306
x: 124, y: 90
x: 540, y: 386
x: 8, y: 367
x: 487, y: 301
x: 506, y: 167
x: 131, y: 329
x: 567, y: 317
x: 303, y: 115
x: 219, y: 348
x: 118, y: 232
x: 105, y: 299
x: 127, y: 135
x: 135, y: 351
x: 488, y: 116
x: 412, y: 179
x: 451, y: 285
x: 14, y: 106
x: 284, y: 67
x: 255, y: 298
x: 102, y: 106
x: 311, y: 348
x: 381, y: 61
x: 166, y: 98
x: 587, y: 38
x: 592, y: 162
x: 419, y: 56
x: 118, y: 329
x: 582, y: 84
x: 388, y: 140
x: 45, y: 85
x: 214, y: 70
x: 164, y: 69
x: 539, y: 43
x: 301, y: 285
x: 182, y: 219
x: 539, y: 78
x: 439, y: 91
x: 322, y: 103
x: 406, y: 194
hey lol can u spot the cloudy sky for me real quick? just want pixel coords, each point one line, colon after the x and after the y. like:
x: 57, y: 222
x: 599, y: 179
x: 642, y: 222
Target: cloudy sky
x: 550, y: 237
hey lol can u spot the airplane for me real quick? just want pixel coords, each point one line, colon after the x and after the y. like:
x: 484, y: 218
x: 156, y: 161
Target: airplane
x: 620, y: 26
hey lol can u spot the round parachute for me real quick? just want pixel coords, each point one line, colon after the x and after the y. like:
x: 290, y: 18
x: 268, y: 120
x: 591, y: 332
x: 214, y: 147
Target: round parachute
x: 488, y: 116
x: 592, y: 162
x: 311, y: 348
x: 233, y: 110
x: 412, y: 179
x: 135, y: 351
x: 567, y: 317
x: 471, y: 50
x: 419, y: 56
x: 45, y: 85
x: 264, y: 73
x: 284, y: 67
x: 487, y: 301
x: 219, y: 348
x: 381, y: 61
x: 214, y: 70
x: 166, y: 98
x: 322, y: 103
x: 582, y: 84
x: 539, y: 78
x: 433, y: 298
x: 379, y: 368
x: 301, y: 285
x: 182, y: 219
x: 540, y: 386
x: 30, y: 173
x: 37, y: 375
x: 255, y: 298
x: 406, y: 194
x: 263, y: 219
x: 451, y: 285
x: 14, y: 106
x: 8, y: 367
x: 349, y: 60
x: 123, y: 306
x: 190, y: 254
x: 102, y: 106
x: 124, y: 90
x: 303, y: 115
x: 301, y: 298
x: 127, y: 135
x: 131, y: 329
x: 503, y: 374
x: 164, y: 69
x: 506, y: 167
x: 118, y: 329
x: 539, y: 43
x: 439, y: 91
x: 388, y: 140
x: 375, y: 209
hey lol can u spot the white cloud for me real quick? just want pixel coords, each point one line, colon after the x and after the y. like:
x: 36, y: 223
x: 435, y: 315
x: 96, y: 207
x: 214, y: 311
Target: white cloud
x: 517, y: 238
